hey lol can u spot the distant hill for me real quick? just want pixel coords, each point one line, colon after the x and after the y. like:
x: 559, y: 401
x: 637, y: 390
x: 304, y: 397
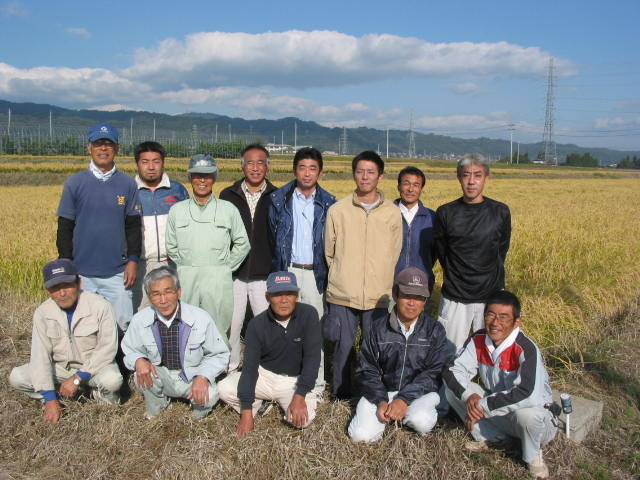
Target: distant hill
x: 33, y: 119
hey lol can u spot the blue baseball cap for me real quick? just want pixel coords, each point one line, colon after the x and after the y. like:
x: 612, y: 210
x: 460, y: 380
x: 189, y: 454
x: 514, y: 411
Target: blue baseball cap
x: 59, y: 271
x: 282, y: 282
x: 103, y: 130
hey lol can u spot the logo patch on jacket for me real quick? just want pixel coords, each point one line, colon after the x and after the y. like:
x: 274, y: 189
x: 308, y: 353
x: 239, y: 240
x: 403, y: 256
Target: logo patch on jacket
x: 170, y: 200
x: 121, y: 199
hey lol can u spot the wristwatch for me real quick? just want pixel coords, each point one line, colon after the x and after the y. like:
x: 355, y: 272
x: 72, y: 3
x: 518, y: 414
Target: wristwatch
x: 76, y: 380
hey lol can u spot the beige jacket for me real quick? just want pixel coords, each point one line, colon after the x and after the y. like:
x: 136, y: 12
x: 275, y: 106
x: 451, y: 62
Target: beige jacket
x: 91, y: 343
x: 362, y: 250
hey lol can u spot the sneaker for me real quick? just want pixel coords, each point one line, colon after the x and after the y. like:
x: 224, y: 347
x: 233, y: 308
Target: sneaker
x: 105, y: 397
x: 537, y: 467
x: 264, y: 408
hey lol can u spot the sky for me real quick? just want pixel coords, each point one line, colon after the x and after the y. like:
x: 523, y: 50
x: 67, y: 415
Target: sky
x: 460, y: 68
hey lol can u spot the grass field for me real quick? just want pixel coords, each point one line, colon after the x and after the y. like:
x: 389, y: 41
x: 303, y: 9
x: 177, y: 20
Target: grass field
x: 574, y: 261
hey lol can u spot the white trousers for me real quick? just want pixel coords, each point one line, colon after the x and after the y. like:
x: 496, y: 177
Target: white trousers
x: 421, y: 416
x: 457, y: 318
x: 269, y: 386
x: 252, y: 291
x: 107, y: 381
x: 532, y: 425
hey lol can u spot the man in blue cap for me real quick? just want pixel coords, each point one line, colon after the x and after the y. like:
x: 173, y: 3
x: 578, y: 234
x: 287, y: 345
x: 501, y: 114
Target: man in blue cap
x: 281, y: 358
x: 73, y: 345
x: 99, y: 224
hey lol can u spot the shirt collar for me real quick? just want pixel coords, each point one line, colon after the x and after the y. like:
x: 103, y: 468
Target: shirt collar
x: 494, y: 351
x: 404, y: 209
x: 300, y: 196
x: 167, y: 321
x: 245, y: 188
x: 99, y: 174
x: 164, y: 182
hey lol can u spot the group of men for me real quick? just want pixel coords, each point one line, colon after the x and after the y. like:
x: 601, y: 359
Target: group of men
x: 313, y: 271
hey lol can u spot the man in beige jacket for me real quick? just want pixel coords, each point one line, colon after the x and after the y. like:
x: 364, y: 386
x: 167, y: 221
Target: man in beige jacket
x: 362, y: 242
x: 73, y: 345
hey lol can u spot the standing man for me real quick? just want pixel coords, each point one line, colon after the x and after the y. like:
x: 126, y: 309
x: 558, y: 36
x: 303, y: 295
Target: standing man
x: 362, y: 242
x: 251, y: 196
x: 281, y: 358
x: 417, y: 224
x: 73, y: 344
x: 471, y: 236
x: 297, y: 219
x: 157, y: 195
x: 207, y: 241
x: 400, y: 364
x: 516, y: 385
x: 174, y: 348
x: 99, y: 224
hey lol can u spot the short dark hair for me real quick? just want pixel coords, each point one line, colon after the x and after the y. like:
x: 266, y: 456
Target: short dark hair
x: 305, y: 153
x: 370, y: 156
x: 253, y: 146
x: 411, y: 170
x: 148, y: 147
x: 504, y: 297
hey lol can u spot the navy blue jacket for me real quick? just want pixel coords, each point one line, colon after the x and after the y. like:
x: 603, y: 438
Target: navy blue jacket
x: 418, y: 249
x: 281, y: 230
x: 389, y: 362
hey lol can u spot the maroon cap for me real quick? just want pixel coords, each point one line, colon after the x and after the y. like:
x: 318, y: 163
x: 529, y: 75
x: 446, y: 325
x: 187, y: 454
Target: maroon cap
x: 412, y: 281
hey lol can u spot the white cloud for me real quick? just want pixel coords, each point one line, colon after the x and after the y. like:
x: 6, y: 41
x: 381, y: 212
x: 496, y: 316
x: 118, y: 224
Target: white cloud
x: 616, y: 122
x: 67, y: 85
x: 79, y: 31
x: 114, y: 107
x: 15, y: 9
x: 326, y: 58
x: 465, y: 88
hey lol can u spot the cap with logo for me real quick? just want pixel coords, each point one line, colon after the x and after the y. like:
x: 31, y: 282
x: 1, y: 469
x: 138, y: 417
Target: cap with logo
x: 202, y: 163
x: 59, y: 271
x: 412, y: 281
x: 282, y: 282
x: 103, y: 131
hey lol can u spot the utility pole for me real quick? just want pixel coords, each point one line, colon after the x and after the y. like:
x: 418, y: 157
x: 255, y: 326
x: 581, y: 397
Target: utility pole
x: 295, y: 136
x: 282, y: 139
x: 9, y: 123
x: 131, y: 132
x: 50, y: 126
x: 216, y: 133
x: 343, y: 142
x: 154, y: 129
x: 550, y: 154
x: 511, y: 127
x: 387, y: 143
x: 229, y: 132
x: 412, y: 138
x: 518, y: 155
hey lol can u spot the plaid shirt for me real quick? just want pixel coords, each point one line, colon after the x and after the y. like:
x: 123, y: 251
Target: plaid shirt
x: 170, y: 349
x: 253, y: 197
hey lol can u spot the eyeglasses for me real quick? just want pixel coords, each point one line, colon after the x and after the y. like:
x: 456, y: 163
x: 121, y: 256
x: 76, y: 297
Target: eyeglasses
x: 169, y: 292
x: 502, y: 318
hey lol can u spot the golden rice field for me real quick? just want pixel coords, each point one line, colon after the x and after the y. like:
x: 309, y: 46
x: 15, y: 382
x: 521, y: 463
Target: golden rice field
x: 575, y: 252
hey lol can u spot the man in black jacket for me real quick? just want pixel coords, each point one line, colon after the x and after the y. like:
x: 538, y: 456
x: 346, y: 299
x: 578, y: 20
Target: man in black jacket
x: 281, y: 359
x: 252, y: 197
x: 471, y: 236
x: 401, y: 362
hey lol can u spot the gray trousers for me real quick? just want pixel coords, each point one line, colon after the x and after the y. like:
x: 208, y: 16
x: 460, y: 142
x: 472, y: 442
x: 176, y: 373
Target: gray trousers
x: 532, y: 425
x: 169, y: 384
x: 341, y: 328
x: 107, y: 381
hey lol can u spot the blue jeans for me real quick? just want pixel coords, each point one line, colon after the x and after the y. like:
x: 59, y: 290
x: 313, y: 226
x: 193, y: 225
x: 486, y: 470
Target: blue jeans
x: 112, y: 289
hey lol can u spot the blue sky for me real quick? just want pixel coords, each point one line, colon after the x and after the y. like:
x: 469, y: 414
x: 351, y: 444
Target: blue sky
x: 463, y: 67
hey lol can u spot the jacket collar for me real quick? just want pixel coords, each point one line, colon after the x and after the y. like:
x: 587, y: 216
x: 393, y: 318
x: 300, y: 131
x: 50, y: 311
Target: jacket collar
x: 422, y: 210
x: 354, y: 199
x: 393, y: 321
x: 272, y: 317
x: 237, y: 187
x: 322, y: 196
x: 148, y: 320
x: 164, y: 182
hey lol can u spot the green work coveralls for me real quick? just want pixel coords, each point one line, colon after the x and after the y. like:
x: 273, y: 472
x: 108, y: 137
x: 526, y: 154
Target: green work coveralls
x: 207, y: 243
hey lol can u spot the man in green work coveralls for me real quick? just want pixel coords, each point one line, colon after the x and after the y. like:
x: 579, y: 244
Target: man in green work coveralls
x: 207, y: 240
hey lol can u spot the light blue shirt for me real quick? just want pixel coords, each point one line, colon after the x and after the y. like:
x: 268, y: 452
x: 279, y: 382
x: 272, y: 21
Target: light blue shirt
x: 302, y: 245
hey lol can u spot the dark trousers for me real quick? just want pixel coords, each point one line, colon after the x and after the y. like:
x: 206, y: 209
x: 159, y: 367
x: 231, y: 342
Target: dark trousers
x: 340, y: 329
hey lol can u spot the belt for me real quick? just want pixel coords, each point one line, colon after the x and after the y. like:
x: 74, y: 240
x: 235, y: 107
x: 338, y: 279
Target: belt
x: 303, y: 266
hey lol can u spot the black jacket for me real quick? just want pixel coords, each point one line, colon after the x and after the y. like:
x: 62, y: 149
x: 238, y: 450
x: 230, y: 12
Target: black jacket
x: 471, y: 241
x: 389, y: 362
x: 257, y: 265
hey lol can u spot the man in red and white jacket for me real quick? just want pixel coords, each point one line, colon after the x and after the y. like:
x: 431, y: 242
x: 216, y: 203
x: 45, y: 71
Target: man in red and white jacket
x: 516, y: 384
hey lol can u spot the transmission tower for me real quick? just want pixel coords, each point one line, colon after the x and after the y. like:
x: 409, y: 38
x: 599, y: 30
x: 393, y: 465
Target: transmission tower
x: 343, y: 141
x: 550, y: 154
x: 412, y: 138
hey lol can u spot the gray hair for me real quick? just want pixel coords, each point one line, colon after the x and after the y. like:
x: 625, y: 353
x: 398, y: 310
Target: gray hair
x: 254, y: 146
x: 472, y: 159
x: 158, y: 274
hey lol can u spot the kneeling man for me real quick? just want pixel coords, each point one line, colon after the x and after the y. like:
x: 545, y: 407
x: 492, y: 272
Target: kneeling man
x: 516, y: 384
x: 174, y: 348
x: 281, y: 358
x: 401, y: 362
x: 73, y: 345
